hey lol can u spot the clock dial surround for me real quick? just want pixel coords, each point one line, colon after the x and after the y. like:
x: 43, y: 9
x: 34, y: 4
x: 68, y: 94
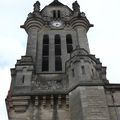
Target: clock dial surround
x: 57, y: 24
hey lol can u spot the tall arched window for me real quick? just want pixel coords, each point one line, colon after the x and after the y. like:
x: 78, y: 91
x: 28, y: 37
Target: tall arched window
x: 45, y: 45
x: 57, y: 45
x: 58, y: 62
x: 45, y: 53
x: 69, y: 43
x: 59, y: 14
x: 54, y: 13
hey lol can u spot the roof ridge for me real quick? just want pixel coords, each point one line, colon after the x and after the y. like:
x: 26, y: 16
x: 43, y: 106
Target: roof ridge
x: 56, y: 3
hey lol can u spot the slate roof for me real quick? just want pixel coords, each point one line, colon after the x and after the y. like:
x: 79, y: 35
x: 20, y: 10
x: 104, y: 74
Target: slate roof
x: 56, y: 3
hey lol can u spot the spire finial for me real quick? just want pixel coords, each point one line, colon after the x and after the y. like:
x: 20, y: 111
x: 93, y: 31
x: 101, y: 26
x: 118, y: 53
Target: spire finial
x: 37, y: 6
x: 76, y: 6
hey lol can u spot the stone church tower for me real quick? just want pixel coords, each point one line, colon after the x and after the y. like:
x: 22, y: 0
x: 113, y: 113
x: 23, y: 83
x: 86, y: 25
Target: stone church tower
x: 58, y: 78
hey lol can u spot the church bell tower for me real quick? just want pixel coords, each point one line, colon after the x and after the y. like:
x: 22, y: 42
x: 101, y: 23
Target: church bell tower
x: 58, y: 78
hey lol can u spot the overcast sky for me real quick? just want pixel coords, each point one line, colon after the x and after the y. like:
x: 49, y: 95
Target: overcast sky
x: 104, y: 37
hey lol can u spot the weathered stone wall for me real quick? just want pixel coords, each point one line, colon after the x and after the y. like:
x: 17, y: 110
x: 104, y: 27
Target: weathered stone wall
x: 90, y: 102
x: 113, y: 101
x: 39, y: 107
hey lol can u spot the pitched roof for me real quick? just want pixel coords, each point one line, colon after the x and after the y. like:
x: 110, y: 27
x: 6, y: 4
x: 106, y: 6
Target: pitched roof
x: 56, y: 3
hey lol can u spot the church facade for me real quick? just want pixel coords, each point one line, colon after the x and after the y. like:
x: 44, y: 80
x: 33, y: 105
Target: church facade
x: 58, y: 78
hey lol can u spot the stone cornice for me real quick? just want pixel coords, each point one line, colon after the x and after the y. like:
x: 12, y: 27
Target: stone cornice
x: 67, y: 91
x: 31, y: 22
x: 78, y: 21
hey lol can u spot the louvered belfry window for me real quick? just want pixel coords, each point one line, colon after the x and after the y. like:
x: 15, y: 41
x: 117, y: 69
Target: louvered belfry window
x: 69, y: 43
x: 58, y: 62
x: 45, y: 53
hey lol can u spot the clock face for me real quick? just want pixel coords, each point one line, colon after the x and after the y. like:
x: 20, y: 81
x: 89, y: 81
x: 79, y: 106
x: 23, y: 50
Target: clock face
x: 56, y: 23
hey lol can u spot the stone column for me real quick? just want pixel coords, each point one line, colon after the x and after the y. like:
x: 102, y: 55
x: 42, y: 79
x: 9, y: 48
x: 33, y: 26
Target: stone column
x: 32, y: 42
x: 82, y: 38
